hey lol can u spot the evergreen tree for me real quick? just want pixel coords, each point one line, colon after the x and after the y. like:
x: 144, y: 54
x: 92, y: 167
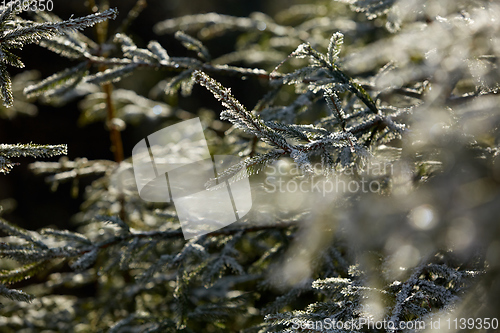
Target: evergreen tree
x: 373, y: 159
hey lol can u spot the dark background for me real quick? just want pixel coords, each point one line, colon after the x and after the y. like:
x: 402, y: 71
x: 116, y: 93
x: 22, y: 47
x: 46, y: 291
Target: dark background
x: 31, y: 203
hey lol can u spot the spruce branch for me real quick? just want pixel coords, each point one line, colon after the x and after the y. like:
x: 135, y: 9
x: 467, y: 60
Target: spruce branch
x: 158, y: 50
x: 51, y: 83
x: 219, y: 23
x: 333, y: 103
x: 25, y: 32
x: 321, y: 65
x: 335, y: 47
x: 22, y: 273
x: 114, y: 219
x: 34, y: 150
x: 15, y: 295
x: 7, y: 250
x: 64, y: 46
x: 251, y: 165
x: 7, y: 11
x: 8, y: 151
x: 109, y: 75
x: 14, y: 230
x: 65, y: 235
x: 6, y: 86
x: 86, y: 259
x: 194, y: 44
x: 371, y: 8
x: 36, y: 31
x: 238, y: 115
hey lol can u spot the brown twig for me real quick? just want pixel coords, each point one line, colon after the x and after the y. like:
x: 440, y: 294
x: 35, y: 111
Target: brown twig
x: 101, y: 31
x: 114, y: 133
